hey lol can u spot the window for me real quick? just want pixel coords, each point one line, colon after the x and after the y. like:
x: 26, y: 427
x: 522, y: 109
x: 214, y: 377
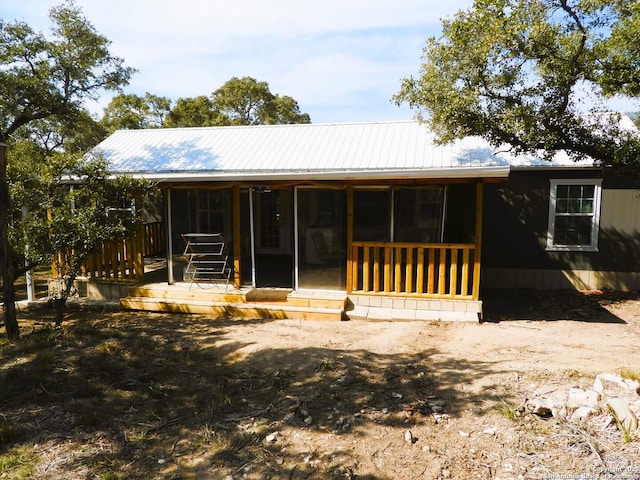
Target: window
x: 401, y: 214
x: 372, y: 215
x: 574, y: 214
x: 419, y: 214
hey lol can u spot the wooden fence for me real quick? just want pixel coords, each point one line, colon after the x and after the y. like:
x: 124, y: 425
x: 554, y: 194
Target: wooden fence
x: 437, y: 270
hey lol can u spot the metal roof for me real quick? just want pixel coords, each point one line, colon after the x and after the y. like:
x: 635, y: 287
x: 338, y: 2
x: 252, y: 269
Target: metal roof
x: 399, y: 149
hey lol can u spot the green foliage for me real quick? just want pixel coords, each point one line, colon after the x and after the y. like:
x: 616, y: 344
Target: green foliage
x: 193, y: 112
x: 44, y: 82
x: 72, y: 220
x: 128, y: 111
x: 61, y: 202
x: 240, y: 101
x: 516, y: 72
x: 66, y: 206
x: 507, y: 410
x: 42, y: 77
x: 18, y: 463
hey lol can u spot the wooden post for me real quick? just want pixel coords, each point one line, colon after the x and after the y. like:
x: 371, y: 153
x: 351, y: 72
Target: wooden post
x: 237, y: 249
x: 350, y: 259
x: 420, y: 271
x: 169, y: 237
x: 138, y: 252
x: 478, y: 248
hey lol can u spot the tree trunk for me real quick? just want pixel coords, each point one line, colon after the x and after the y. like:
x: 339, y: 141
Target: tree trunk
x: 6, y: 257
x: 60, y: 307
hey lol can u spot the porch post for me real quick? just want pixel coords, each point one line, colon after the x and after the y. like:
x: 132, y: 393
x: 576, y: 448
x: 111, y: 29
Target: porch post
x: 237, y: 249
x: 139, y: 243
x: 28, y: 273
x: 478, y: 246
x: 349, y: 238
x: 169, y: 235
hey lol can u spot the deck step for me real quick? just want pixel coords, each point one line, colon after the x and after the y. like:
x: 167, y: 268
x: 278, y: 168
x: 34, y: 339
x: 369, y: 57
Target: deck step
x: 225, y: 309
x: 184, y: 293
x: 255, y: 295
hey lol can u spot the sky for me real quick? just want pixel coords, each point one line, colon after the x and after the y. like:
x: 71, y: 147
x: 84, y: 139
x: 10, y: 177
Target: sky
x: 341, y: 60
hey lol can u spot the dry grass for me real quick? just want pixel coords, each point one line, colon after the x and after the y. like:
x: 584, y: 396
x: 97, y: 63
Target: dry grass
x: 119, y: 395
x: 135, y: 383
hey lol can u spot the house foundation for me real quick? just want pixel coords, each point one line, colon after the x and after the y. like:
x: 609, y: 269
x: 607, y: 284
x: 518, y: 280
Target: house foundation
x: 387, y: 308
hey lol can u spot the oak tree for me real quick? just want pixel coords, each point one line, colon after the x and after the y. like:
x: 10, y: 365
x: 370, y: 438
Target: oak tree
x: 239, y: 101
x: 72, y: 206
x: 40, y: 78
x: 534, y: 75
x: 130, y: 111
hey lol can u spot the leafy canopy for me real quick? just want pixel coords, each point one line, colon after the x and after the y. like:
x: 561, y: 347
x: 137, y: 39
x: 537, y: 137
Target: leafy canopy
x: 240, y: 101
x: 42, y: 77
x: 72, y: 206
x: 130, y: 111
x: 534, y: 74
x: 44, y: 82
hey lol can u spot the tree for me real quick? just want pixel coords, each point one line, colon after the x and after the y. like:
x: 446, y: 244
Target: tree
x: 517, y: 72
x: 129, y: 111
x: 288, y: 111
x: 240, y: 101
x: 193, y: 112
x: 41, y: 78
x: 68, y: 221
x: 245, y: 101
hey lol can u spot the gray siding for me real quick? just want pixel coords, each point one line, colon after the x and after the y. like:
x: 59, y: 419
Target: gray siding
x: 515, y: 233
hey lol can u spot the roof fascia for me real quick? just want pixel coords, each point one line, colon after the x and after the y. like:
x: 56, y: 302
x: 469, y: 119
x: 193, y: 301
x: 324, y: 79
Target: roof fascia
x: 453, y: 173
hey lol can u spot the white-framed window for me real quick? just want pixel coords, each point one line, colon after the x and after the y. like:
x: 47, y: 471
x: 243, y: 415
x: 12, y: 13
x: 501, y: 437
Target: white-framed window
x: 574, y: 215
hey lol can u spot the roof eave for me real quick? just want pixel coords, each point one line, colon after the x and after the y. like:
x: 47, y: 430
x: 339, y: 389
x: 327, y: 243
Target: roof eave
x: 350, y: 175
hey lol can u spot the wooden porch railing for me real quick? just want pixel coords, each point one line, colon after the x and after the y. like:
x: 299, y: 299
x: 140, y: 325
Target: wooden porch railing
x: 124, y: 260
x: 437, y: 270
x: 114, y: 261
x: 153, y: 236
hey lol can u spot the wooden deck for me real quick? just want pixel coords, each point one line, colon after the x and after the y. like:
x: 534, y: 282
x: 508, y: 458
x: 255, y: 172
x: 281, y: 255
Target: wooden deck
x: 244, y: 303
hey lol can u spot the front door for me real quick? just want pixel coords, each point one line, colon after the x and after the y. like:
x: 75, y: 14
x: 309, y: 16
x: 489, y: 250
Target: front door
x: 273, y: 237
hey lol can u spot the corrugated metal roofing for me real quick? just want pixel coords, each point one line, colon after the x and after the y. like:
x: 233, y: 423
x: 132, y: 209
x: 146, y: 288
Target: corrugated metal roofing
x: 351, y: 150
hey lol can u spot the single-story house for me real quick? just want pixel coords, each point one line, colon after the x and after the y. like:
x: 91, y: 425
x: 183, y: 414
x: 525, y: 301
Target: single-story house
x: 378, y: 215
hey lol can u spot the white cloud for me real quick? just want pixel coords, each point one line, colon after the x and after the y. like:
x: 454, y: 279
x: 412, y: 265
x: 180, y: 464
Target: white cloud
x: 341, y: 60
x: 328, y: 55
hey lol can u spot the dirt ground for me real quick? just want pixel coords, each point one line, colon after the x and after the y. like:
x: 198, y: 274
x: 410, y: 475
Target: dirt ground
x: 356, y: 400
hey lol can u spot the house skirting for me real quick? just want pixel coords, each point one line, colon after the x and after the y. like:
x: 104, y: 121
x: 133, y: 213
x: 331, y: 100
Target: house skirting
x: 383, y: 308
x: 509, y: 278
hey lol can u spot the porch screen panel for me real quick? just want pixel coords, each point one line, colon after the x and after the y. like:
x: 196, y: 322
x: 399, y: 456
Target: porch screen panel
x: 418, y: 214
x: 201, y: 211
x: 372, y: 215
x: 322, y: 239
x: 246, y: 254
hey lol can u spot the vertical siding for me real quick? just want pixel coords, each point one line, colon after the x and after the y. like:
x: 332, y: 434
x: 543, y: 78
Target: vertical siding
x: 514, y: 253
x: 621, y: 210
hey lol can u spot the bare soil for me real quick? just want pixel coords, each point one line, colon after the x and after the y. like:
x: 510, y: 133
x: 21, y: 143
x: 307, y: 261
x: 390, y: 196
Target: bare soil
x: 120, y: 394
